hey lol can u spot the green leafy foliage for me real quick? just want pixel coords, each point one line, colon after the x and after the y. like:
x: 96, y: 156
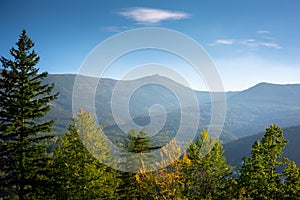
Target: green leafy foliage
x: 168, y: 181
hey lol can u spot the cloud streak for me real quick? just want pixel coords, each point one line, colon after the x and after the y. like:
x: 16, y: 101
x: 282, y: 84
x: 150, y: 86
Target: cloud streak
x: 224, y: 41
x: 271, y: 45
x: 150, y: 16
x: 252, y: 43
x: 221, y: 42
x: 263, y: 32
x: 256, y: 43
x: 263, y: 40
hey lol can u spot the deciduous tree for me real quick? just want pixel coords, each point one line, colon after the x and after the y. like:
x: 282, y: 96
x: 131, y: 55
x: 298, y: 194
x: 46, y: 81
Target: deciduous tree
x: 76, y: 172
x: 168, y: 181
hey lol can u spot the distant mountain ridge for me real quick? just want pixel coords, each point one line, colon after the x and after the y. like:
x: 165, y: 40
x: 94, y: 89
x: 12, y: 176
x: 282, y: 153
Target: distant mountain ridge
x: 236, y: 150
x: 248, y: 111
x: 262, y: 105
x: 270, y: 93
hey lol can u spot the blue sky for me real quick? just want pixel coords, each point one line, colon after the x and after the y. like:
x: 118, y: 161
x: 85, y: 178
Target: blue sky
x: 249, y: 41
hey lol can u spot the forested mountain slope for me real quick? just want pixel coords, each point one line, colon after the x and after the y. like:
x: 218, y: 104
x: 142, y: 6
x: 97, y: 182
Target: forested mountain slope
x: 236, y: 150
x: 248, y: 111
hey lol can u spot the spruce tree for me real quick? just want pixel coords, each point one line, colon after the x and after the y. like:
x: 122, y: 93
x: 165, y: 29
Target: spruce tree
x: 208, y: 174
x: 137, y: 143
x: 291, y: 187
x: 24, y: 100
x: 258, y: 174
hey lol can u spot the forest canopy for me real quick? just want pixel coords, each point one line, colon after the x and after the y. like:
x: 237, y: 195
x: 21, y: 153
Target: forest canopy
x: 35, y: 164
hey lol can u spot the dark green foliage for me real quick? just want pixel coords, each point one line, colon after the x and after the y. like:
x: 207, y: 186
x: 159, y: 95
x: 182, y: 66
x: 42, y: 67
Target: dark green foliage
x: 208, y: 175
x: 291, y: 186
x: 236, y: 150
x: 33, y: 165
x: 137, y: 143
x: 258, y: 174
x: 23, y: 100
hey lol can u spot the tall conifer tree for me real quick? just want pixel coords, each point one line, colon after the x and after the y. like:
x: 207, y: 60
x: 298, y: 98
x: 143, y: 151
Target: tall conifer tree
x: 258, y: 174
x: 208, y: 174
x: 137, y: 143
x: 24, y: 101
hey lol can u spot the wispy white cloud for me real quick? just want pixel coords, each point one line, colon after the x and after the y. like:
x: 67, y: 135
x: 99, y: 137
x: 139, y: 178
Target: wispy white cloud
x: 268, y: 42
x: 264, y: 40
x: 257, y: 43
x: 250, y: 42
x: 263, y: 32
x: 150, y: 16
x: 222, y: 42
x: 271, y: 45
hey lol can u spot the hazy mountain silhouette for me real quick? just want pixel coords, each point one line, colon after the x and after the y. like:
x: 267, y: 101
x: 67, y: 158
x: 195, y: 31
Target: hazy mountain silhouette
x: 236, y: 150
x: 248, y: 111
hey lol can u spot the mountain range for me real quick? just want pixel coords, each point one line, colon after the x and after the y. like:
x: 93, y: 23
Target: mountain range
x: 247, y: 112
x: 236, y: 150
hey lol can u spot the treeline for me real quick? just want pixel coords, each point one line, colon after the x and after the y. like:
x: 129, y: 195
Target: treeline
x: 36, y: 165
